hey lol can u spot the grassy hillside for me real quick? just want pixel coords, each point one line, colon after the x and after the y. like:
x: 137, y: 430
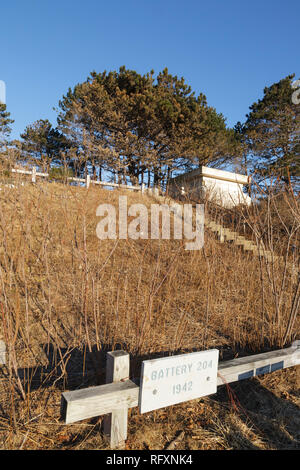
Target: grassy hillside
x: 68, y: 297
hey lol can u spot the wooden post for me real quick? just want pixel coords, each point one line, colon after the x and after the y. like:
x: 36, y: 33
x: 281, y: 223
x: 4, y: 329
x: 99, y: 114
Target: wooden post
x: 296, y: 344
x: 33, y: 177
x: 116, y: 398
x: 2, y: 352
x: 143, y: 188
x: 88, y: 181
x: 298, y: 376
x: 115, y: 424
x: 221, y: 235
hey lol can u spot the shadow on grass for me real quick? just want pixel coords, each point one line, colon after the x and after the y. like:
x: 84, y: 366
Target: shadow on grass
x: 70, y: 368
x: 275, y: 420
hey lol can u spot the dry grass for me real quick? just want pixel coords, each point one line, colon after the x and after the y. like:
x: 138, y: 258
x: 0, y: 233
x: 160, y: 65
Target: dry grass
x: 67, y: 298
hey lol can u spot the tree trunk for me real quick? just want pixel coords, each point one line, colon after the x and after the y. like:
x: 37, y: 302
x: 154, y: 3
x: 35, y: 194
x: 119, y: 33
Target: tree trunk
x: 149, y: 178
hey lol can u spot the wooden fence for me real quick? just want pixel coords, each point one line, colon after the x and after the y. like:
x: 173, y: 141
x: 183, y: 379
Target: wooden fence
x: 2, y: 352
x: 120, y: 393
x: 87, y: 181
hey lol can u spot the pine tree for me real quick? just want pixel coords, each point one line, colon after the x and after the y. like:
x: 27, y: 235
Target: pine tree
x: 132, y: 124
x: 42, y: 143
x: 272, y: 133
x: 6, y: 155
x: 5, y: 128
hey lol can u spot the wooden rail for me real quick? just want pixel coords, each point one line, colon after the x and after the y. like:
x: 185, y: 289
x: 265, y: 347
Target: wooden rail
x: 33, y: 173
x: 88, y: 181
x: 116, y: 185
x: 2, y: 352
x: 120, y: 393
x: 116, y: 397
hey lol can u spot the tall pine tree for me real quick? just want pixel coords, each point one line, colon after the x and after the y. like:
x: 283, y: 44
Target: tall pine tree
x: 271, y: 133
x: 136, y: 124
x: 42, y: 143
x: 6, y: 159
x: 5, y: 123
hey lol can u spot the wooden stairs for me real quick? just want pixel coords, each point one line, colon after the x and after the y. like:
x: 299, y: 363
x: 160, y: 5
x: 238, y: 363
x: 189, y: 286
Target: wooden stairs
x: 227, y: 235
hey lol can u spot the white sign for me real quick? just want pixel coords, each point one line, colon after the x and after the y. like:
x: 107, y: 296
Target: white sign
x: 176, y: 379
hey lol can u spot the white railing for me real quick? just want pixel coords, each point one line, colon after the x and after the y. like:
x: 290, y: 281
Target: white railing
x: 87, y: 181
x: 121, y: 393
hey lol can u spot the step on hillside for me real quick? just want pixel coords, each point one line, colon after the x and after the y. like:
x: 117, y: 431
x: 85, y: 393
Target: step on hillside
x: 242, y: 241
x: 225, y: 234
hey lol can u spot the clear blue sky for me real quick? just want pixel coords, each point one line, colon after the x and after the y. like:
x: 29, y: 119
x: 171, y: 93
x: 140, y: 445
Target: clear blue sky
x: 227, y: 49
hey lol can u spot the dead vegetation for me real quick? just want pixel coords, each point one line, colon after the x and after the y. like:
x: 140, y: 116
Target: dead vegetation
x: 67, y: 298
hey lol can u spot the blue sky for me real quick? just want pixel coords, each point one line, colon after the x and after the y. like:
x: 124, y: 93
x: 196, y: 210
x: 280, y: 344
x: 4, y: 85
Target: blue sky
x: 228, y: 50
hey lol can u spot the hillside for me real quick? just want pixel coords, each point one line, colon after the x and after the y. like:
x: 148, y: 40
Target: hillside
x: 67, y: 298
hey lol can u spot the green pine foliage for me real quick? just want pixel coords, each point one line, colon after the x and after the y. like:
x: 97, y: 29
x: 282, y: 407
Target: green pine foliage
x: 271, y: 134
x: 5, y: 126
x: 42, y: 144
x: 134, y: 125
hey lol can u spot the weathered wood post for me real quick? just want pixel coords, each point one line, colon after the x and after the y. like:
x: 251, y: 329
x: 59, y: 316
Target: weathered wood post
x: 33, y: 177
x: 2, y: 352
x: 115, y: 424
x: 117, y: 397
x: 88, y: 181
x: 296, y: 344
x: 221, y: 235
x: 143, y: 188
